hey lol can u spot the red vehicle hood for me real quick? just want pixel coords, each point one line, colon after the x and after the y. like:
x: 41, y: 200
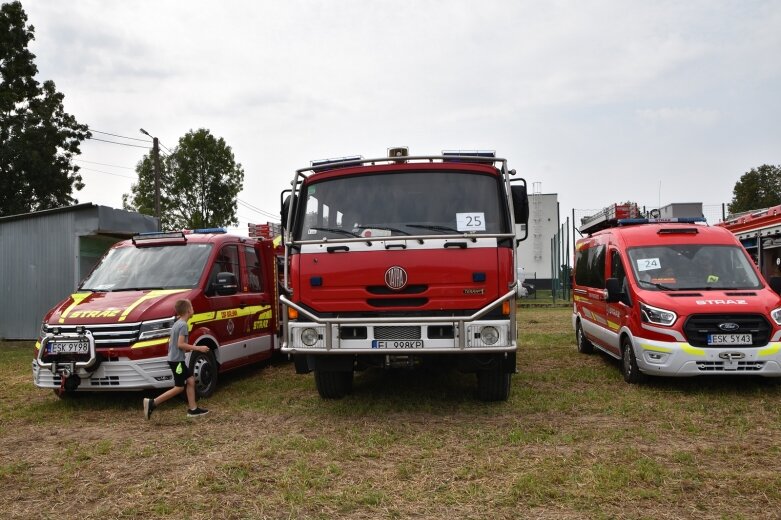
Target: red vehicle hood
x: 437, y: 279
x: 684, y: 303
x: 115, y: 307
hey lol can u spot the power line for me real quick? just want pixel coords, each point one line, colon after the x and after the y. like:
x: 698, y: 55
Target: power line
x: 107, y: 173
x: 104, y: 164
x: 114, y: 142
x: 258, y: 210
x: 122, y: 136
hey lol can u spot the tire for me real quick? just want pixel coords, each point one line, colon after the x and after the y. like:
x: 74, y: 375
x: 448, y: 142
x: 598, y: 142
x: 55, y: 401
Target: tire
x: 333, y: 384
x: 584, y: 345
x: 204, y: 370
x: 493, y: 384
x: 629, y: 368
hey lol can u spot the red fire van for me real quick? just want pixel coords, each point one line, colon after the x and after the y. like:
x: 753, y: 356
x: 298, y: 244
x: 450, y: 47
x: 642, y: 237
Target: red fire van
x: 112, y: 333
x: 674, y: 298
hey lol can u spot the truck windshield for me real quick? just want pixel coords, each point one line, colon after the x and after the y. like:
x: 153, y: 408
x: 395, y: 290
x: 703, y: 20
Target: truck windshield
x: 692, y: 267
x: 162, y: 267
x: 403, y: 204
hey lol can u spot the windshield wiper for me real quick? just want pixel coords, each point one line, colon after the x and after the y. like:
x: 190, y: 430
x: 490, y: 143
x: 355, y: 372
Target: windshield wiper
x: 435, y: 228
x: 386, y: 228
x: 337, y: 230
x: 657, y: 285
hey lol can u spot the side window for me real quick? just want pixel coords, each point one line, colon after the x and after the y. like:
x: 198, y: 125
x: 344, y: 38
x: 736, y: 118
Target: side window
x: 581, y: 267
x: 226, y: 262
x: 617, y: 270
x: 596, y: 267
x: 253, y: 270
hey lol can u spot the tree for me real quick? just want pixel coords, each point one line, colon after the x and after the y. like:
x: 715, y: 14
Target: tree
x: 757, y: 188
x: 199, y: 183
x: 38, y: 139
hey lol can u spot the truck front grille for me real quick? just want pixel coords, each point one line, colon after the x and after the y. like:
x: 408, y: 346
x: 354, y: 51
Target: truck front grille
x: 699, y: 326
x: 119, y: 335
x: 404, y: 332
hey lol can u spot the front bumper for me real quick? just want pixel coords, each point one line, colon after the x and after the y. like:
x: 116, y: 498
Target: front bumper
x: 681, y: 359
x: 420, y: 343
x: 401, y: 335
x: 120, y: 375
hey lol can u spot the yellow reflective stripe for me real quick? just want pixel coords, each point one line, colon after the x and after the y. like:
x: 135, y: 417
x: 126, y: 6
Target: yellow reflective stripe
x: 770, y: 350
x: 150, y: 295
x: 654, y: 348
x: 77, y: 299
x: 37, y: 345
x: 613, y: 325
x: 227, y: 314
x: 150, y: 343
x: 580, y: 298
x: 694, y: 351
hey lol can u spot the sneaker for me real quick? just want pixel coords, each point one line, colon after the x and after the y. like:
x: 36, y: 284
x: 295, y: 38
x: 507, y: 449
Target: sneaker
x: 197, y: 412
x: 149, y: 407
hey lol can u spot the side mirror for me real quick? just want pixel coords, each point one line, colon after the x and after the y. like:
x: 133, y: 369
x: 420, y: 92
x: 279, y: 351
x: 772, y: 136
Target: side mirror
x: 775, y: 284
x: 225, y: 284
x: 520, y: 204
x: 613, y: 289
x: 283, y: 212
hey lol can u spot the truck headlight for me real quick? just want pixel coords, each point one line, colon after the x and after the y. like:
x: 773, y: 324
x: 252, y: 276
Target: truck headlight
x: 776, y: 315
x: 156, y: 328
x: 657, y: 316
x: 489, y: 335
x: 309, y: 337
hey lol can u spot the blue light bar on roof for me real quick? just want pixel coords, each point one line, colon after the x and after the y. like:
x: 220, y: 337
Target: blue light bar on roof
x: 205, y: 231
x: 469, y: 153
x: 677, y: 220
x: 156, y: 236
x: 322, y: 165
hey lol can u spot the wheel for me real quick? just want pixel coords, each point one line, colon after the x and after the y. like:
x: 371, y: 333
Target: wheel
x: 629, y: 368
x: 204, y: 370
x: 584, y: 345
x: 332, y: 384
x: 493, y: 384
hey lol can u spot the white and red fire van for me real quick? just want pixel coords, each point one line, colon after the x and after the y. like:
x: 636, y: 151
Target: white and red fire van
x: 674, y: 298
x: 112, y: 333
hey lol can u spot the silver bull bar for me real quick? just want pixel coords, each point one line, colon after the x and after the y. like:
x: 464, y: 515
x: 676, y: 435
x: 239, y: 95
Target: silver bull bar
x: 69, y: 367
x: 329, y: 323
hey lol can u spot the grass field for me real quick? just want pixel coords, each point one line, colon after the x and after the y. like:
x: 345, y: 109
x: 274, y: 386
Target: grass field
x: 573, y: 441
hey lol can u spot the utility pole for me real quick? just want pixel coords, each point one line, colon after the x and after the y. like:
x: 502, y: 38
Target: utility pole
x: 156, y: 155
x: 156, y: 167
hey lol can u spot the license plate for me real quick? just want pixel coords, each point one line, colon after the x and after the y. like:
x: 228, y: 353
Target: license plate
x: 397, y: 343
x: 729, y: 339
x: 67, y: 347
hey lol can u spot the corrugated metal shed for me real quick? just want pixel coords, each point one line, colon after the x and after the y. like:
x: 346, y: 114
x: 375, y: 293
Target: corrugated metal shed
x: 44, y: 255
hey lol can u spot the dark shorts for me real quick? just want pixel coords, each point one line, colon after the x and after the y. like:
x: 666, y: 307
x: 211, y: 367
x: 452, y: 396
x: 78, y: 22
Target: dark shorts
x: 180, y: 371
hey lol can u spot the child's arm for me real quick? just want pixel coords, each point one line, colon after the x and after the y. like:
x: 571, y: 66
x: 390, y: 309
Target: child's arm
x: 186, y: 346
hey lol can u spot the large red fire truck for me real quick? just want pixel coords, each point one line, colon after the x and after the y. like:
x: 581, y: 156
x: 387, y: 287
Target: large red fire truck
x: 397, y: 261
x: 112, y: 333
x: 673, y: 297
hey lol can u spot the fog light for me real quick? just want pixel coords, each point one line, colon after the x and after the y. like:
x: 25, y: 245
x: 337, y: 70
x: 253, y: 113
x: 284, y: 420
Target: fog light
x: 489, y: 335
x: 309, y: 337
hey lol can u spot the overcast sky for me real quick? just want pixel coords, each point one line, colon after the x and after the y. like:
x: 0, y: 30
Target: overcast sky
x: 598, y: 101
